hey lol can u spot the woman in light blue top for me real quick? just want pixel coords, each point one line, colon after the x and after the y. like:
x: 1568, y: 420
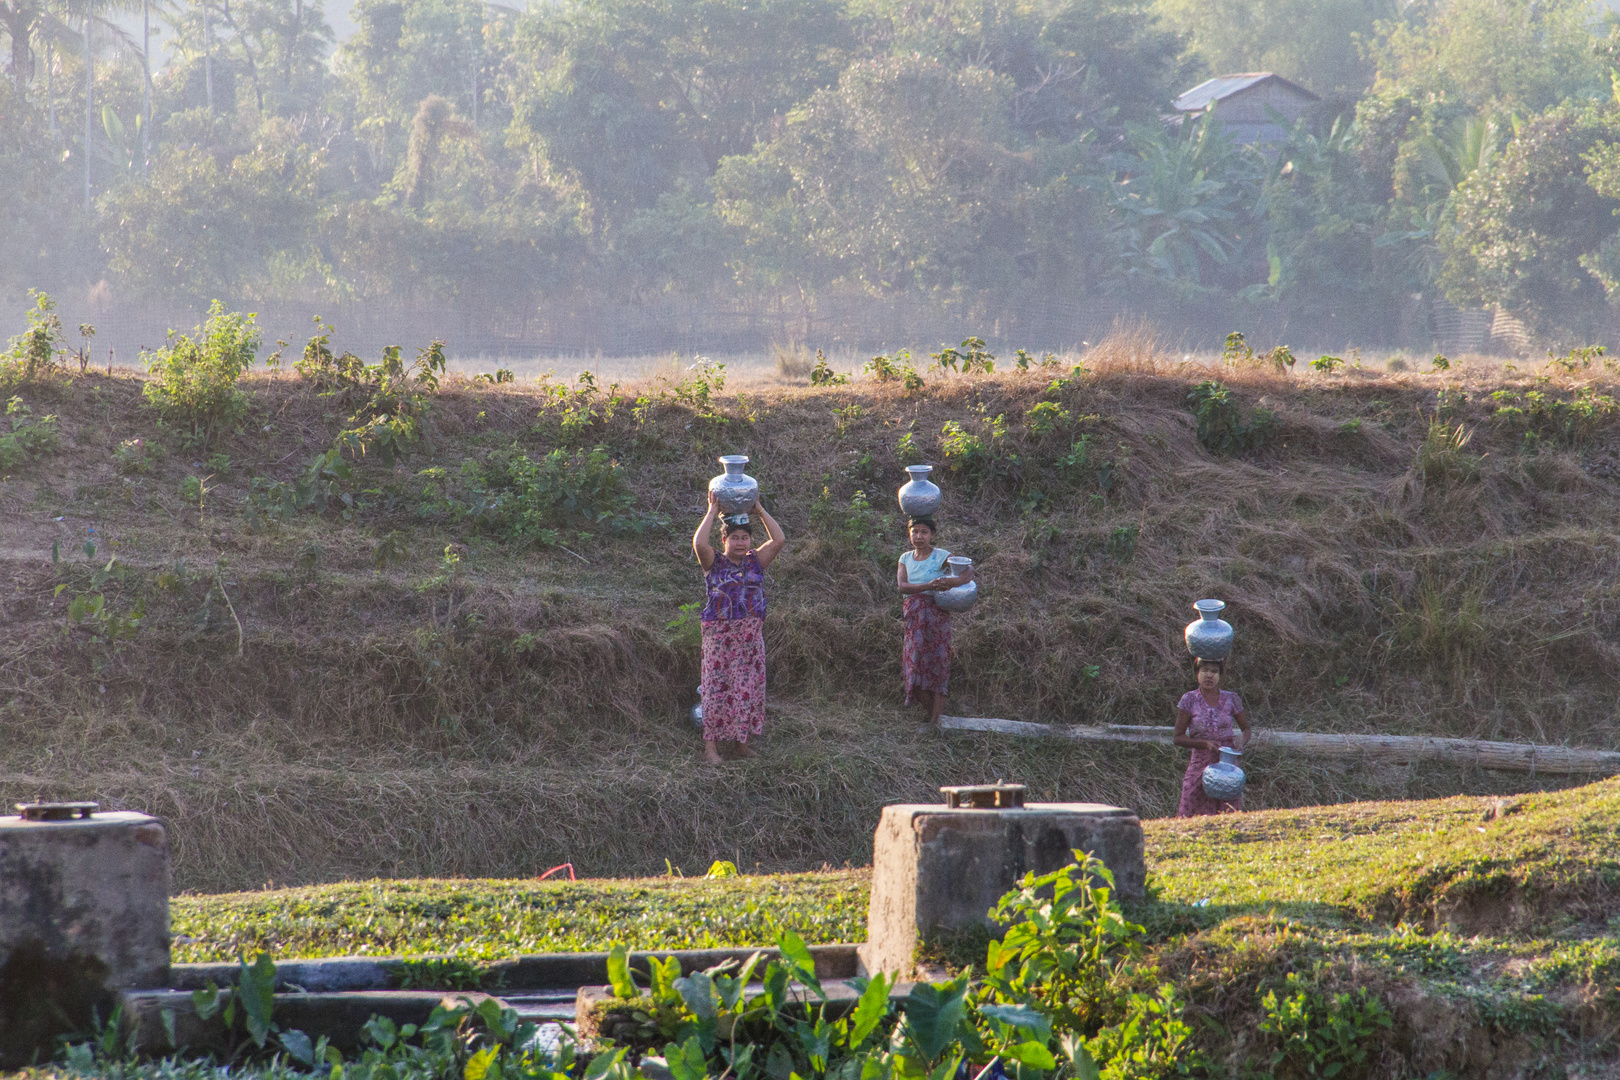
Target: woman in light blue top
x: 925, y: 651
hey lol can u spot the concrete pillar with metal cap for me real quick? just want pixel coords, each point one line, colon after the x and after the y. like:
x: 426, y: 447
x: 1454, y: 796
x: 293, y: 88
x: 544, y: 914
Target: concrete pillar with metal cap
x: 939, y: 869
x: 84, y: 913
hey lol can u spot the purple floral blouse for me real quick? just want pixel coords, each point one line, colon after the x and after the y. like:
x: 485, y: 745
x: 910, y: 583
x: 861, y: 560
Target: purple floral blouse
x: 736, y: 590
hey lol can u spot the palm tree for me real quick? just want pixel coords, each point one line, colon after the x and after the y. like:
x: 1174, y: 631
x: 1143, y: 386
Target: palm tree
x: 19, y: 18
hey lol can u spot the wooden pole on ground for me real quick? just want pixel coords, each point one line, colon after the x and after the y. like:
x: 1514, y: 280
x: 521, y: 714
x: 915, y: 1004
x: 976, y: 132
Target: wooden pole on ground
x: 1399, y: 749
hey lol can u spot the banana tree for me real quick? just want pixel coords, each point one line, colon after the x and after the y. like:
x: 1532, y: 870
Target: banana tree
x: 1180, y: 202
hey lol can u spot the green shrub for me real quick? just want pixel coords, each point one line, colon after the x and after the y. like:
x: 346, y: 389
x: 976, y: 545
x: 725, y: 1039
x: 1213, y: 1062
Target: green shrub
x: 885, y: 368
x: 823, y: 374
x: 391, y: 400
x: 321, y: 486
x: 970, y: 356
x: 1542, y: 416
x: 1222, y: 426
x: 1045, y: 417
x: 513, y: 496
x: 1239, y: 353
x: 36, y: 354
x: 29, y: 439
x: 134, y: 456
x: 974, y: 456
x: 194, y: 378
x: 1314, y: 1034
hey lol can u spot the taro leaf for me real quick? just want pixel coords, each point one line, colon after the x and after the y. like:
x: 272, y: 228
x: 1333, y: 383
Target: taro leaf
x: 298, y: 1047
x: 947, y: 1068
x: 619, y: 975
x: 697, y: 990
x: 731, y: 988
x: 605, y: 1062
x: 797, y: 953
x: 1031, y: 1053
x: 381, y: 1030
x: 869, y: 1010
x: 1021, y: 1017
x: 206, y: 1001
x: 878, y: 1067
x: 775, y: 981
x: 483, y: 1065
x: 664, y: 974
x: 779, y: 1063
x: 686, y: 1060
x: 933, y: 1015
x: 1074, y: 1048
x: 256, y: 986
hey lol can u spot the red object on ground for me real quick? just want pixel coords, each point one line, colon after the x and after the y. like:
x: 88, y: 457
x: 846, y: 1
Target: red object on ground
x: 568, y: 866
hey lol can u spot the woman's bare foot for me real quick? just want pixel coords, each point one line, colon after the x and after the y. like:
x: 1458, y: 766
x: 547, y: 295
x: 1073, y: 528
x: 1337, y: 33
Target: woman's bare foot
x: 711, y: 753
x: 742, y: 749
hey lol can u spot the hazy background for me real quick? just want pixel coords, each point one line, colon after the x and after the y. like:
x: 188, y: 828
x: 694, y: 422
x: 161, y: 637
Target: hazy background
x: 577, y: 179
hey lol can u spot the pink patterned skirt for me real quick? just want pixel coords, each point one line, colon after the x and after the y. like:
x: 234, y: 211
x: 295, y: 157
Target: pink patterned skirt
x: 733, y: 679
x: 925, y: 651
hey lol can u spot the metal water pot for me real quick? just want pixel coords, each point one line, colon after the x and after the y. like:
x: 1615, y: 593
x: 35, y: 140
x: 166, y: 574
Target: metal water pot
x: 921, y: 497
x: 1223, y: 781
x: 734, y: 489
x: 963, y: 596
x: 1209, y: 637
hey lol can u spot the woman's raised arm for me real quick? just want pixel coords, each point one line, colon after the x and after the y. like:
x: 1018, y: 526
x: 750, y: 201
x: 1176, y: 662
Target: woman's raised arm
x: 700, y: 539
x: 771, y: 548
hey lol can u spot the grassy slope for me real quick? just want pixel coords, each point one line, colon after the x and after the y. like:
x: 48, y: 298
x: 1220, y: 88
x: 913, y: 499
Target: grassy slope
x: 365, y: 732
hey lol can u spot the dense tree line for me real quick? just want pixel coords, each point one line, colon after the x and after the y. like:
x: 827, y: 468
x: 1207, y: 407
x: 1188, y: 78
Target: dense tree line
x: 460, y: 151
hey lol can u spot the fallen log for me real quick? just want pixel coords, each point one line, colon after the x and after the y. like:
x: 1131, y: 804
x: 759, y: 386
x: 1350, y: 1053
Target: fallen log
x: 1396, y: 749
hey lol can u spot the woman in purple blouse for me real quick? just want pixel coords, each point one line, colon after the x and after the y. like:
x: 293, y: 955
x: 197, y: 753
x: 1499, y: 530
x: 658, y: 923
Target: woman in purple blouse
x: 733, y: 627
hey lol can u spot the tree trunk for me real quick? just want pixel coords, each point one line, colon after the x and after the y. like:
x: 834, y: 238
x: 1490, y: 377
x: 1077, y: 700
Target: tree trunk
x: 89, y: 101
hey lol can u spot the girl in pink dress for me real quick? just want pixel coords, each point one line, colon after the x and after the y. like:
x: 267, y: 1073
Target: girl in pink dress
x: 1207, y: 719
x: 925, y: 643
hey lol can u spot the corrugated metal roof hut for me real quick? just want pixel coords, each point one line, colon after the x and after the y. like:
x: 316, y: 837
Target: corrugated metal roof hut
x: 1245, y: 103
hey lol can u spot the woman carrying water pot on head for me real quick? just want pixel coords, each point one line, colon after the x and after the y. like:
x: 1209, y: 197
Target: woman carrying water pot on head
x: 733, y: 623
x: 1207, y: 719
x: 925, y: 652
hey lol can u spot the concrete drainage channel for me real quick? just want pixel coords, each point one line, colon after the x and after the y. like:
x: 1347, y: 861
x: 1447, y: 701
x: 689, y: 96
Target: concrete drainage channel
x: 84, y: 922
x: 335, y: 997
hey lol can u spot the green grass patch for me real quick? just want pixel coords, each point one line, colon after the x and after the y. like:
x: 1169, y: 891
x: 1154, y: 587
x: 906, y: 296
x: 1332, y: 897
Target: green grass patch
x: 486, y: 920
x: 1524, y: 866
x: 1526, y: 863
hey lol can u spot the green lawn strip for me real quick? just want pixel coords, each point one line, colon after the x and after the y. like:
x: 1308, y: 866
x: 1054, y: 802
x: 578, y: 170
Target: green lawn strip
x: 1548, y: 860
x: 486, y: 920
x: 1554, y: 855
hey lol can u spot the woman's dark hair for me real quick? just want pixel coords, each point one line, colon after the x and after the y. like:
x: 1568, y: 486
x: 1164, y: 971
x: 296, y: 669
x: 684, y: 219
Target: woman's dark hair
x: 736, y: 524
x: 926, y: 522
x: 1218, y: 665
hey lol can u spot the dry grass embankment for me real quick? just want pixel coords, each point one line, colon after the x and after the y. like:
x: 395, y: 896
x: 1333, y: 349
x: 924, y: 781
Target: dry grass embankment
x: 529, y: 711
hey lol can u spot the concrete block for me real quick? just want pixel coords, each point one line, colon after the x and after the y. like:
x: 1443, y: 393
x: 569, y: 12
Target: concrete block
x: 341, y: 1017
x: 84, y: 912
x: 937, y: 869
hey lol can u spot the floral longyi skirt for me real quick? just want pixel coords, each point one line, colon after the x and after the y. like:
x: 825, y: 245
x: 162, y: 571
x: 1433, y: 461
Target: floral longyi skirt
x: 733, y: 679
x: 925, y: 651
